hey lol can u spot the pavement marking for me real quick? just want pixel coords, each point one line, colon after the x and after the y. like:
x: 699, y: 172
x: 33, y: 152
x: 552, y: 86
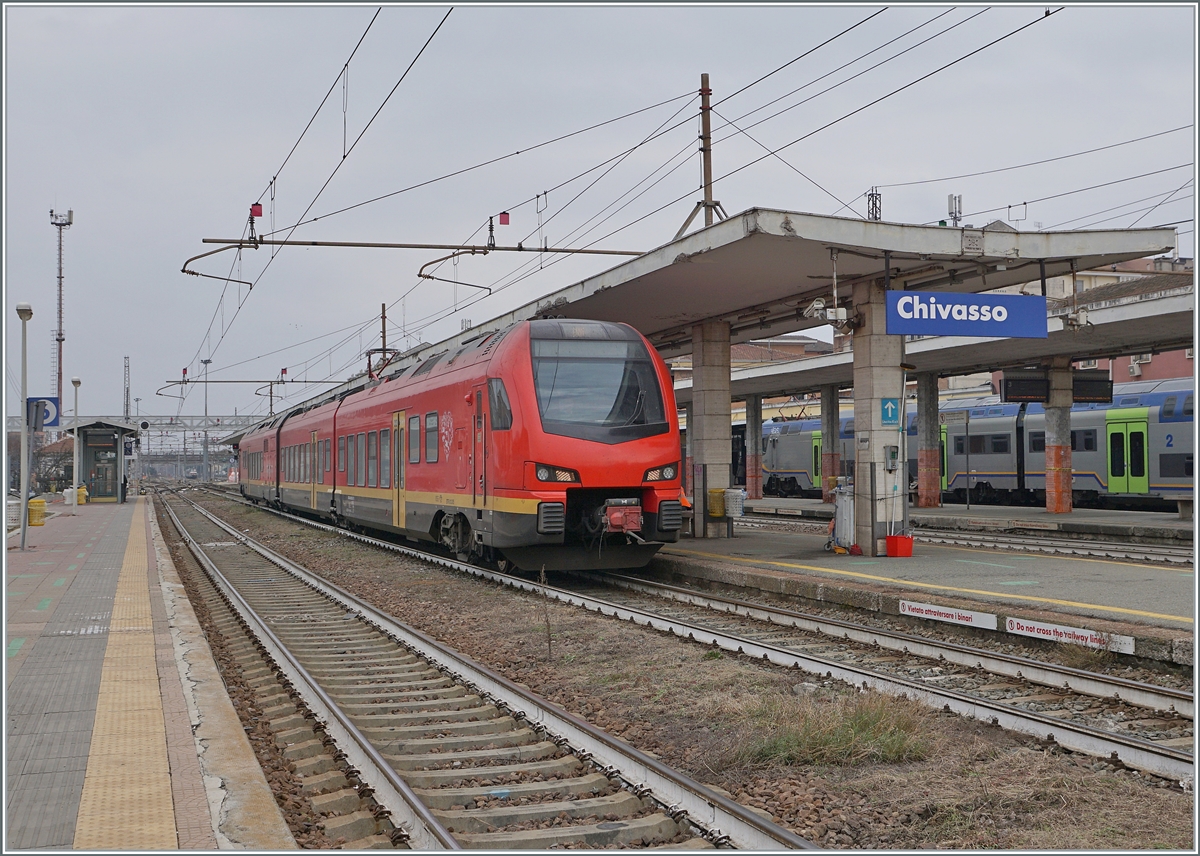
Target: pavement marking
x: 16, y: 594
x: 1019, y: 583
x: 870, y: 562
x: 1054, y: 556
x: 126, y: 801
x: 60, y: 581
x: 913, y: 584
x: 81, y: 555
x: 15, y: 645
x: 72, y: 567
x: 989, y: 564
x: 43, y: 603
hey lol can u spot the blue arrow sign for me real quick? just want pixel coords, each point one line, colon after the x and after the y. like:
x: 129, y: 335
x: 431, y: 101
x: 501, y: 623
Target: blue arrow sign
x: 891, y: 411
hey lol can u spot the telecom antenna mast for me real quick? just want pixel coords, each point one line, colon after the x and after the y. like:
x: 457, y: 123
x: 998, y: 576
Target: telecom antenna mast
x: 127, y: 389
x: 60, y: 222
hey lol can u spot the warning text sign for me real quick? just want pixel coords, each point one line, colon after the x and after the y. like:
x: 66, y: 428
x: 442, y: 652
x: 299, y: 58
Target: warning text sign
x: 948, y: 613
x: 1071, y: 635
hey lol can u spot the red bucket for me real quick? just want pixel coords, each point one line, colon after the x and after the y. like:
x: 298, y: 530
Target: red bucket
x: 899, y: 546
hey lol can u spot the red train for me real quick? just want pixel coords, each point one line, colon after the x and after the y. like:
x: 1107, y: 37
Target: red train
x: 552, y: 443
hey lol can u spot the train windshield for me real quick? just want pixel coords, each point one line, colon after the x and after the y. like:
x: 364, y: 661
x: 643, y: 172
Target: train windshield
x: 597, y: 389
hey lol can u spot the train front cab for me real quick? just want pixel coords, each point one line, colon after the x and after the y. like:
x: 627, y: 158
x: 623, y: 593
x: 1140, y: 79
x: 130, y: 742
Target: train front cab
x: 587, y: 463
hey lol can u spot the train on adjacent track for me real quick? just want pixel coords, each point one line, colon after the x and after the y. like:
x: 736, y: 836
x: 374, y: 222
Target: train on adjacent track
x: 1135, y: 451
x: 550, y: 444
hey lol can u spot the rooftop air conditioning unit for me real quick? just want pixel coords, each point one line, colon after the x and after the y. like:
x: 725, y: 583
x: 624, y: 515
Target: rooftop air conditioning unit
x: 1135, y: 370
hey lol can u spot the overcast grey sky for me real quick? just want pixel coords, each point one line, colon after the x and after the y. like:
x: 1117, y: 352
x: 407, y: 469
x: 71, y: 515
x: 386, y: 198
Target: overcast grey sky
x: 159, y: 126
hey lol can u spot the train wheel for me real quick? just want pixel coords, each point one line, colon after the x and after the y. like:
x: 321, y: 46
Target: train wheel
x: 505, y: 565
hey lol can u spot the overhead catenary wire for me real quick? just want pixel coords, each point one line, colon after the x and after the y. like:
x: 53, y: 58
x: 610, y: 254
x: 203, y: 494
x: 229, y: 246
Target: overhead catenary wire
x: 1036, y: 162
x: 1071, y: 192
x: 829, y: 124
x: 1113, y: 208
x: 841, y: 118
x: 357, y: 139
x: 575, y: 133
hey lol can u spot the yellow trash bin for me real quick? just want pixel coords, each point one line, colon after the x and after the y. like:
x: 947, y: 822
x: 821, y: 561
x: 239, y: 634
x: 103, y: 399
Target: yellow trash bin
x: 82, y: 496
x: 37, y: 512
x: 716, y: 502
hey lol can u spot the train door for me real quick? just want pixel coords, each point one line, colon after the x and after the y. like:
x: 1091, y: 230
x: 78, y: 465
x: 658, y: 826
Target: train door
x: 816, y: 459
x: 1127, y: 450
x: 479, y: 452
x: 399, y: 456
x: 314, y: 469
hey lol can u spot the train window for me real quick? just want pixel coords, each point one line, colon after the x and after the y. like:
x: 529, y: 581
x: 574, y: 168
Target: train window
x: 431, y: 438
x: 414, y: 439
x: 350, y: 481
x: 360, y: 469
x: 1137, y: 454
x: 1175, y: 466
x: 960, y: 447
x: 400, y: 458
x: 1187, y: 406
x: 1116, y: 454
x: 372, y: 459
x: 596, y: 389
x: 1168, y: 408
x: 1083, y: 441
x: 385, y: 458
x: 1037, y: 441
x: 977, y: 444
x: 501, y: 411
x: 998, y: 444
x: 328, y: 454
x: 341, y: 454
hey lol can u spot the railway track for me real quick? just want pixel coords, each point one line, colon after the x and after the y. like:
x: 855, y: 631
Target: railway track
x: 456, y: 755
x: 1056, y: 545
x: 1145, y: 727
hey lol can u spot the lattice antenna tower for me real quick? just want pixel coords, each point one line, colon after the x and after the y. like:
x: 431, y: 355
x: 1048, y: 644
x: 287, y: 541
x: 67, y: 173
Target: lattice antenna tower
x: 127, y: 389
x: 60, y: 222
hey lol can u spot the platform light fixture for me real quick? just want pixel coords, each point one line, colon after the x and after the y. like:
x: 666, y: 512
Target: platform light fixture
x: 24, y: 312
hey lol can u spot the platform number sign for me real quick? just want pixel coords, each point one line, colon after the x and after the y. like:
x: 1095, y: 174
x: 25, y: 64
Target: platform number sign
x: 890, y: 408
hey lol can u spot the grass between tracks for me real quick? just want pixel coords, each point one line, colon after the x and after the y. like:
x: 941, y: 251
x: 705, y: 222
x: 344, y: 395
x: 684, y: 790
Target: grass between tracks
x: 820, y: 728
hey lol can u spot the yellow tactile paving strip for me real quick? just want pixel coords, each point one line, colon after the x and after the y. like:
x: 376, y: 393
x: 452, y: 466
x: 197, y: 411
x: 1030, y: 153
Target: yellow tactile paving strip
x: 126, y: 802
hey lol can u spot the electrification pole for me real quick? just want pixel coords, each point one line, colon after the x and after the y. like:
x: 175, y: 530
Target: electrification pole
x: 206, y: 472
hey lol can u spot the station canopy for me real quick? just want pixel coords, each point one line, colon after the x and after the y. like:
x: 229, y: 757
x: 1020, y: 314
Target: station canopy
x: 759, y: 270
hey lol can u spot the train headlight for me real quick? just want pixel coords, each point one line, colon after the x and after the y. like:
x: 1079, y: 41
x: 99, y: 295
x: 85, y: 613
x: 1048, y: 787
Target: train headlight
x: 547, y: 473
x: 663, y: 473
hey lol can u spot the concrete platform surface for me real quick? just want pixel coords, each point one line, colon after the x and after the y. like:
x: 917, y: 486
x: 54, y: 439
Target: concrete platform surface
x: 119, y: 735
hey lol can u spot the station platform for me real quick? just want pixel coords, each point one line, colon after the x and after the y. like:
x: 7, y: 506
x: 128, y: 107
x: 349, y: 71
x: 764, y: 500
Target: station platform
x: 119, y: 732
x: 1152, y: 606
x: 1129, y: 526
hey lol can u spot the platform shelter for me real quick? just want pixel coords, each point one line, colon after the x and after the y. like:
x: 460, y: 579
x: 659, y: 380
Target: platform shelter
x: 102, y: 458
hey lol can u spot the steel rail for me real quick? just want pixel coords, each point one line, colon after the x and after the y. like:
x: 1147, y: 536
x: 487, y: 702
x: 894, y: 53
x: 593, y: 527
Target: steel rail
x: 1008, y: 665
x: 424, y: 830
x: 1132, y: 751
x: 724, y: 821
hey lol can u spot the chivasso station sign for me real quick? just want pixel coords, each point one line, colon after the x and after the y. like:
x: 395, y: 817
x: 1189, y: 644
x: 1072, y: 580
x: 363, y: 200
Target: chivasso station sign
x: 1015, y: 316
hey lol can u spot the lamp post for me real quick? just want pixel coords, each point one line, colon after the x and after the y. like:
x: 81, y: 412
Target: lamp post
x: 207, y: 474
x: 75, y: 455
x: 24, y: 312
